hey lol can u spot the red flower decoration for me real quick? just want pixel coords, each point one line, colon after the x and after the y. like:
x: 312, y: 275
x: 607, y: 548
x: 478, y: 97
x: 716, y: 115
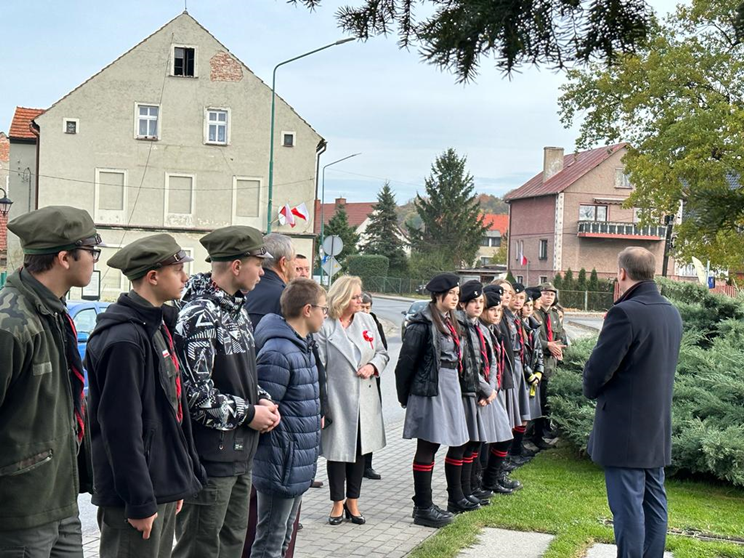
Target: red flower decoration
x: 368, y: 338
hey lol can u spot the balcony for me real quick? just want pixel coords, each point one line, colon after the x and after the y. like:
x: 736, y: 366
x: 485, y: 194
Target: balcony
x: 606, y: 229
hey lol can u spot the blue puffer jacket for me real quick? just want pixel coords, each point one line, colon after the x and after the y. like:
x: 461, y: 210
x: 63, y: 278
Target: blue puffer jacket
x: 286, y: 459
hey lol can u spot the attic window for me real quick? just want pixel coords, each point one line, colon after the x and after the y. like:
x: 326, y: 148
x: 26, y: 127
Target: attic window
x: 70, y: 125
x: 288, y: 139
x: 183, y: 61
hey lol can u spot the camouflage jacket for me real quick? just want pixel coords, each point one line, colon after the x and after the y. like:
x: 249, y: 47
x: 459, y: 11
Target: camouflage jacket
x: 39, y: 480
x: 559, y: 335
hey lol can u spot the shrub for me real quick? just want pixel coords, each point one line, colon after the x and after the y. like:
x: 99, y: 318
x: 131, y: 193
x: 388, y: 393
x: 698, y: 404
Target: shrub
x: 368, y: 266
x: 708, y: 416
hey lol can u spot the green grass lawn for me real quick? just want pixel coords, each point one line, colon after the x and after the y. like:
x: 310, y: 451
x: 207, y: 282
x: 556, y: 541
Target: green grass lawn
x: 565, y: 496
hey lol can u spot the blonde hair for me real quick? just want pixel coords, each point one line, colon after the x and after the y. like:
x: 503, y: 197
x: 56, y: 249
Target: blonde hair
x: 341, y: 293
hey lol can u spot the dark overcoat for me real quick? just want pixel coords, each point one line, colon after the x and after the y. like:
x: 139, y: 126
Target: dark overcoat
x: 631, y: 375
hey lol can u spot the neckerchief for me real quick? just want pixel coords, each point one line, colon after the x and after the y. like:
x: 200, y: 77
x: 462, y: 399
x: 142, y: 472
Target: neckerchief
x: 484, y: 353
x: 77, y: 379
x: 174, y: 358
x: 549, y: 327
x: 456, y: 339
x: 520, y: 334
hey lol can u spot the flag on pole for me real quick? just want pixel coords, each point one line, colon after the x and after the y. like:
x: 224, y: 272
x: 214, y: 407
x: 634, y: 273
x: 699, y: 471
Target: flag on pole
x: 286, y: 216
x: 522, y: 258
x: 301, y: 211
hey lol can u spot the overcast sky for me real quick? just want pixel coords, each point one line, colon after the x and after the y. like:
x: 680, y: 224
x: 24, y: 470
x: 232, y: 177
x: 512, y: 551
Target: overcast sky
x: 373, y: 98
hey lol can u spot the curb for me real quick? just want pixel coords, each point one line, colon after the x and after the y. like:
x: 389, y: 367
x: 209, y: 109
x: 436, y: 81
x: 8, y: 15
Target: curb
x: 583, y: 326
x: 393, y: 297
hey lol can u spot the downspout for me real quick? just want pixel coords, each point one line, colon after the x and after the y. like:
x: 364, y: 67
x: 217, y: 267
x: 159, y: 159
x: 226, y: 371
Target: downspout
x: 35, y: 130
x: 319, y: 150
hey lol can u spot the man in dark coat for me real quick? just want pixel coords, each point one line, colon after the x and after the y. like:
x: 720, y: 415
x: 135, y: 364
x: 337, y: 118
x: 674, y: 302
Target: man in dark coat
x: 279, y: 269
x: 631, y: 375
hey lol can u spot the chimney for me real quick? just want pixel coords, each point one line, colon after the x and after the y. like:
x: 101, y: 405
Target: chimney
x: 552, y: 162
x: 340, y: 202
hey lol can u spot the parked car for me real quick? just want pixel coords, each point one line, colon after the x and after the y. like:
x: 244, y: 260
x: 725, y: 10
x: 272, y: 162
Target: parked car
x: 413, y: 309
x: 83, y: 314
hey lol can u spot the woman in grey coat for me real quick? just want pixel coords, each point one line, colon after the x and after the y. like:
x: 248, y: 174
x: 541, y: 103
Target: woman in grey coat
x: 353, y: 355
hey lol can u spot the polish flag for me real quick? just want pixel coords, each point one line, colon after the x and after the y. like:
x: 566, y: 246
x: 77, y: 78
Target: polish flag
x: 301, y: 211
x: 522, y: 257
x: 286, y: 215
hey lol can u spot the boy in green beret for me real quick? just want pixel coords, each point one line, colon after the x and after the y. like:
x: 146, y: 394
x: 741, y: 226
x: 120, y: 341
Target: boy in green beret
x: 229, y: 409
x: 144, y: 458
x: 44, y: 462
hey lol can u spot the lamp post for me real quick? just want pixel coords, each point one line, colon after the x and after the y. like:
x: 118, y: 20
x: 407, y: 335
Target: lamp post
x: 273, y: 105
x: 322, y: 204
x: 5, y: 203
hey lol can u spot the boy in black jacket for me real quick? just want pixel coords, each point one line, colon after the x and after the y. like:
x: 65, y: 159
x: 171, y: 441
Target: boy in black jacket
x: 144, y: 458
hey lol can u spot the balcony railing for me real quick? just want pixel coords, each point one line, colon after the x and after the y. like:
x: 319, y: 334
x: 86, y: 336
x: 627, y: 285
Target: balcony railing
x: 606, y: 229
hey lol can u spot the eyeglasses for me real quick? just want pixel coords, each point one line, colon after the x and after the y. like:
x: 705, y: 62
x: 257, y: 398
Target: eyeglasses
x: 323, y: 308
x: 95, y: 252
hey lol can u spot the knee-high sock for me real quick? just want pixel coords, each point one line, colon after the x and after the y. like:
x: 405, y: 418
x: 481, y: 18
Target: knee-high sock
x: 471, y: 454
x: 516, y: 447
x: 453, y: 472
x: 496, y: 456
x: 422, y: 473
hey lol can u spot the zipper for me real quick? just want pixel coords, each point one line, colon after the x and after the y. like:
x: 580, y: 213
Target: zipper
x: 43, y: 457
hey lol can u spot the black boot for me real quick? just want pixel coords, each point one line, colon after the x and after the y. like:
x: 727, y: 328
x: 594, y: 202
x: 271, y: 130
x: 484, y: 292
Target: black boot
x: 480, y: 501
x: 508, y: 484
x: 431, y: 517
x: 461, y: 506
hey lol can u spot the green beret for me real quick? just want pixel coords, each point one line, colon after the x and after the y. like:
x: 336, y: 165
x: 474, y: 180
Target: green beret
x: 548, y: 286
x: 146, y: 254
x: 233, y: 243
x: 53, y: 229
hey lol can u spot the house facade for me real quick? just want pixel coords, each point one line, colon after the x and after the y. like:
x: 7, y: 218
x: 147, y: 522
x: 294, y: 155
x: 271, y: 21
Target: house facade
x: 4, y: 184
x: 496, y: 236
x: 571, y: 215
x: 173, y: 136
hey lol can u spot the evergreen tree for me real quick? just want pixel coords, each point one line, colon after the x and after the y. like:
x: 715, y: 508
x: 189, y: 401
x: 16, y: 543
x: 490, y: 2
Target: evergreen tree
x: 568, y: 280
x: 558, y: 281
x: 383, y: 234
x: 510, y: 278
x: 339, y: 225
x: 581, y: 280
x: 450, y: 213
x: 593, y: 284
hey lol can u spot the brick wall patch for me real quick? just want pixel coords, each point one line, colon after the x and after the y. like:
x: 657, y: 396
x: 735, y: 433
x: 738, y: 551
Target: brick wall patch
x: 224, y: 67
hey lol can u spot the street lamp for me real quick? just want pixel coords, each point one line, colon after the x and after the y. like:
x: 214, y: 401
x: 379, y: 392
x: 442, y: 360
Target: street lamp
x: 5, y: 203
x: 273, y: 100
x: 322, y: 204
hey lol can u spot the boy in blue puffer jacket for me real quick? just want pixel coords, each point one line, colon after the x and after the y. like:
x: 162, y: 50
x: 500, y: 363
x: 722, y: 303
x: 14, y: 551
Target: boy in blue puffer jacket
x: 285, y: 463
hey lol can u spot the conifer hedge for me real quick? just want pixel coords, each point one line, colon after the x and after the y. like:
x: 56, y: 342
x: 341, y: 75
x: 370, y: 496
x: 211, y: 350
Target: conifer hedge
x: 708, y: 404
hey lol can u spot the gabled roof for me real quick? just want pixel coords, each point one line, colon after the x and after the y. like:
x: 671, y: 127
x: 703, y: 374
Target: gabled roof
x: 189, y: 16
x: 21, y: 126
x: 496, y: 222
x: 356, y: 212
x: 575, y: 165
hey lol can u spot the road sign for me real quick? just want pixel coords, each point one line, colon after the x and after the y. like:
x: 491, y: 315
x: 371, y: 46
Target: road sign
x: 331, y: 266
x: 333, y: 245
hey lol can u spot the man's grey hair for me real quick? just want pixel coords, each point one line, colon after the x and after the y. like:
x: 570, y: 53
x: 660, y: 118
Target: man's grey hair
x: 638, y: 263
x: 279, y: 246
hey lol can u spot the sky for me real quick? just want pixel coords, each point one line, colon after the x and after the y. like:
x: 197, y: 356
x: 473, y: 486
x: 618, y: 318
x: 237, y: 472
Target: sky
x: 369, y: 97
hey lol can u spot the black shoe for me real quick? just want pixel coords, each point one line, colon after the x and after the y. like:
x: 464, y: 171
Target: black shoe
x: 356, y: 519
x: 479, y: 501
x: 336, y: 520
x: 461, y: 506
x: 431, y: 517
x: 483, y: 493
x: 542, y: 444
x: 372, y: 474
x: 518, y: 460
x: 509, y: 484
x: 300, y: 526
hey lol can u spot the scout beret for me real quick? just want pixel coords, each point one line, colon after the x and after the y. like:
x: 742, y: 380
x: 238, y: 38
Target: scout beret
x: 498, y: 289
x: 443, y: 282
x: 493, y: 298
x: 518, y: 288
x: 470, y: 291
x: 233, y: 243
x: 53, y: 229
x: 533, y: 293
x: 548, y: 286
x: 146, y: 254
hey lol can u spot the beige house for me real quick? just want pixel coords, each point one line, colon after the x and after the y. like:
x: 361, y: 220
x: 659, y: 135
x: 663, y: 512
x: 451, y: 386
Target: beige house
x: 173, y: 136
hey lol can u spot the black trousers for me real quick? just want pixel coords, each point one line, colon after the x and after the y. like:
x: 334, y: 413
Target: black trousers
x: 341, y: 473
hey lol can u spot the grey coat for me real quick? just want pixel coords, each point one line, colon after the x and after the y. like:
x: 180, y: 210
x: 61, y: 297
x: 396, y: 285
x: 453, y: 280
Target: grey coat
x: 352, y: 401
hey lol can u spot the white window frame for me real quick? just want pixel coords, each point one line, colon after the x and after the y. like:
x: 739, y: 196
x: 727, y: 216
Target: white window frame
x: 171, y: 218
x: 77, y: 126
x: 294, y: 138
x: 137, y: 121
x: 240, y: 220
x: 227, y: 125
x: 540, y: 254
x: 124, y: 284
x: 188, y: 267
x: 543, y: 279
x: 624, y: 182
x: 520, y: 279
x: 174, y: 46
x: 111, y: 216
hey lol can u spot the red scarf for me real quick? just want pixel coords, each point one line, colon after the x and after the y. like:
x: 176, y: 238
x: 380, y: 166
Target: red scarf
x: 484, y: 353
x: 520, y: 334
x: 174, y: 358
x: 456, y: 339
x: 77, y: 380
x: 549, y: 327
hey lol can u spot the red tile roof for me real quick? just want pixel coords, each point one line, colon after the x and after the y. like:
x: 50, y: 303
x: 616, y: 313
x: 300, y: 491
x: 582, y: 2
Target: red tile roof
x: 357, y: 212
x: 496, y: 222
x: 21, y: 125
x: 575, y: 165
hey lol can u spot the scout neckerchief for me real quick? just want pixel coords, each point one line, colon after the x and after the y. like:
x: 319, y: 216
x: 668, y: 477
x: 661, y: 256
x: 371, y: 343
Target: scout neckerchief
x: 484, y: 353
x: 77, y: 379
x: 174, y: 358
x: 456, y: 339
x: 520, y: 333
x: 549, y: 326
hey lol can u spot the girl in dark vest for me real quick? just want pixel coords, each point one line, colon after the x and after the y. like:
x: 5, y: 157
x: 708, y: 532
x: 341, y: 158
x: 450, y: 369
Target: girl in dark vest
x: 533, y: 355
x: 428, y: 386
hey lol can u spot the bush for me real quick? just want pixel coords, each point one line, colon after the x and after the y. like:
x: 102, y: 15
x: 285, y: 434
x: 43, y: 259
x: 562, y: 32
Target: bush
x: 708, y: 416
x: 368, y: 266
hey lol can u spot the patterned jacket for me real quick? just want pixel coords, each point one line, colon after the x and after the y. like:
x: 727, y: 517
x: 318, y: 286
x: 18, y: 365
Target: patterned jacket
x: 215, y: 341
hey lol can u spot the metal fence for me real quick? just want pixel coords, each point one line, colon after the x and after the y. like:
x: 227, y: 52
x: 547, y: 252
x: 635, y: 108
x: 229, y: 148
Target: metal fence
x: 394, y: 285
x: 586, y: 300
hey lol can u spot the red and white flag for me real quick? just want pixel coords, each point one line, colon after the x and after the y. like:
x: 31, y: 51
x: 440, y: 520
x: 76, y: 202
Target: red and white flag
x: 522, y: 257
x: 286, y: 216
x: 301, y: 211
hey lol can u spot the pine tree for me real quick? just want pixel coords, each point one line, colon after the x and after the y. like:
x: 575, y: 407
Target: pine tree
x: 593, y: 284
x: 510, y: 278
x: 450, y: 213
x: 339, y: 225
x: 581, y: 280
x: 383, y: 234
x: 568, y: 280
x: 558, y: 281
